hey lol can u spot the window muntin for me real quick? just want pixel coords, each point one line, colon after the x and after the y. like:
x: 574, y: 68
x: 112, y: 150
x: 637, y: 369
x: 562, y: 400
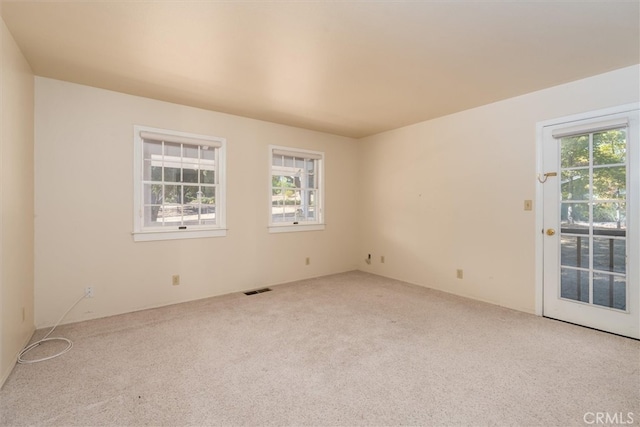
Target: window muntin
x: 295, y: 188
x: 181, y: 184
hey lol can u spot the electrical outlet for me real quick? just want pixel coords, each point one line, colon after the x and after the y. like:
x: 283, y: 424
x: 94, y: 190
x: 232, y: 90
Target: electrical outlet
x: 381, y: 259
x: 307, y: 261
x: 528, y: 205
x: 175, y: 279
x: 88, y: 292
x: 459, y: 273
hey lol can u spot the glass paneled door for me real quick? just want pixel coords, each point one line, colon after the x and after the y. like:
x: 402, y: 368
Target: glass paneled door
x: 591, y: 223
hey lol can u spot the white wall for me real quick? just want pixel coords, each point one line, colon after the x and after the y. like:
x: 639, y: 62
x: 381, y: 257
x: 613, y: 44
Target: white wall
x: 434, y: 197
x: 16, y: 202
x: 83, y: 201
x: 448, y: 193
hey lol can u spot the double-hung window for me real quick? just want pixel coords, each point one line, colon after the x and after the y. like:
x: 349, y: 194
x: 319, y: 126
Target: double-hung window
x: 296, y: 195
x: 179, y: 184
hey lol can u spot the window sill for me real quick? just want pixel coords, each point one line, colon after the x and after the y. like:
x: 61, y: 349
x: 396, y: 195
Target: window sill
x: 147, y: 236
x: 291, y: 228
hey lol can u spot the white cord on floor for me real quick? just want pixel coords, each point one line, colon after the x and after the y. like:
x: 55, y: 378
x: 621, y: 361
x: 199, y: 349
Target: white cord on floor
x: 46, y: 338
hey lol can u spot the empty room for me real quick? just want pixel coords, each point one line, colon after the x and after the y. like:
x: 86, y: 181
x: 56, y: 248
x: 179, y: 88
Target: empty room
x: 320, y: 213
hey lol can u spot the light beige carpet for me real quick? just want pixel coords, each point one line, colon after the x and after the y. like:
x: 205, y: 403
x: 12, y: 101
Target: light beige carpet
x: 347, y: 349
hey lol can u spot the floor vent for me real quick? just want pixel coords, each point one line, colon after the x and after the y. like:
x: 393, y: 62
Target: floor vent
x: 257, y: 291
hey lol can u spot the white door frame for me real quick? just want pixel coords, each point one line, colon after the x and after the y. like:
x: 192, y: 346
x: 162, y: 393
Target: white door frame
x: 539, y: 189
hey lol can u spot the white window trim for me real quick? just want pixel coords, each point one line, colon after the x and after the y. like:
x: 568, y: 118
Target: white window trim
x: 219, y: 230
x: 275, y: 227
x: 288, y: 228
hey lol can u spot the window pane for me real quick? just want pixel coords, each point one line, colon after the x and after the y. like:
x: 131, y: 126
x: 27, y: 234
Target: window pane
x: 609, y: 254
x: 172, y: 174
x: 190, y: 215
x: 207, y: 176
x: 610, y: 147
x: 208, y: 206
x: 299, y: 162
x: 610, y: 183
x: 609, y: 217
x: 208, y: 195
x: 172, y: 150
x: 190, y: 193
x: 575, y: 184
x: 574, y: 284
x: 311, y: 166
x: 574, y: 151
x: 190, y: 153
x: 152, y: 150
x: 190, y: 173
x: 152, y: 194
x: 308, y: 206
x: 172, y: 214
x: 277, y: 214
x: 311, y: 181
x: 277, y: 197
x: 151, y: 216
x: 172, y: 194
x: 207, y: 153
x: 288, y: 161
x: 207, y: 214
x: 574, y: 216
x: 286, y: 182
x: 310, y: 214
x: 574, y: 251
x: 610, y: 291
x: 152, y: 171
x: 276, y: 160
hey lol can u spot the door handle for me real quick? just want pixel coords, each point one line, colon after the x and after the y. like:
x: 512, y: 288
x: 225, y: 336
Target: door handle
x: 550, y: 231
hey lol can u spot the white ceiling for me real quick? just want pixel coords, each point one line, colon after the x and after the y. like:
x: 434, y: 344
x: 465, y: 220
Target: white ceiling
x: 352, y: 68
